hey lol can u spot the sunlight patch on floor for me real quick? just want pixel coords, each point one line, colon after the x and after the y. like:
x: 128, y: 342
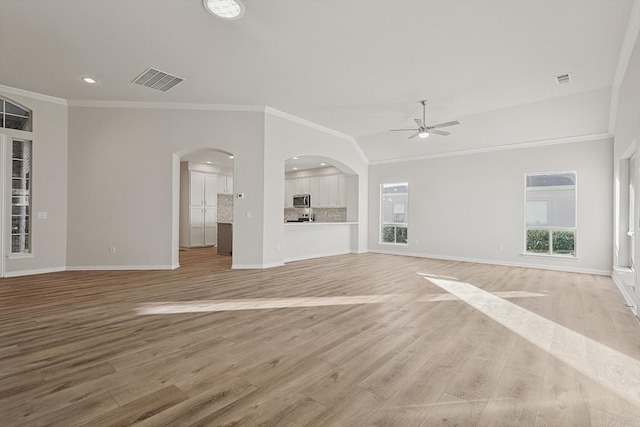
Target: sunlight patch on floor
x: 203, y: 306
x: 610, y: 368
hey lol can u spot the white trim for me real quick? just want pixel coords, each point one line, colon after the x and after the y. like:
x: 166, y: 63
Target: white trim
x: 305, y: 122
x: 617, y: 279
x: 119, y: 267
x: 166, y: 106
x: 551, y: 256
x: 19, y: 273
x: 630, y: 39
x: 4, y: 221
x: 493, y: 262
x: 516, y: 146
x: 21, y: 255
x: 256, y: 266
x: 33, y: 95
x: 304, y: 257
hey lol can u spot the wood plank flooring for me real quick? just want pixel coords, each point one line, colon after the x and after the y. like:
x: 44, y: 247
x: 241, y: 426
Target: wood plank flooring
x: 353, y: 340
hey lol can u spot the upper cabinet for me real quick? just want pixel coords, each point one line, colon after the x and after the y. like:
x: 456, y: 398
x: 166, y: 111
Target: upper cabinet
x: 326, y: 191
x: 289, y: 191
x: 202, y: 188
x: 225, y: 184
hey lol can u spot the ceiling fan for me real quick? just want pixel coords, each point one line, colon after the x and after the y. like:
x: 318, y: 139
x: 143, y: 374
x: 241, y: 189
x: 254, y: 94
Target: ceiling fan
x: 423, y: 130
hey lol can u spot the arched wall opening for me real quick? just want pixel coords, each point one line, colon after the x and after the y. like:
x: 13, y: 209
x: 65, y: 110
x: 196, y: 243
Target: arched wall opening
x: 203, y: 201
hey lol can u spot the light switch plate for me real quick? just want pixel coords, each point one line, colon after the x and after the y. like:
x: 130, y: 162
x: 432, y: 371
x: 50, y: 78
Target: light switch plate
x: 42, y: 215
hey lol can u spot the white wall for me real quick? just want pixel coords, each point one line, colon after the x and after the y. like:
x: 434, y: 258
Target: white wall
x: 286, y: 137
x: 123, y: 180
x: 626, y: 140
x: 49, y: 184
x: 464, y: 207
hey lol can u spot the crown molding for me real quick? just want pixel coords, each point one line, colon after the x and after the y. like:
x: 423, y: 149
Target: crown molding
x: 629, y: 43
x: 33, y: 95
x: 307, y: 123
x: 516, y: 146
x: 166, y: 106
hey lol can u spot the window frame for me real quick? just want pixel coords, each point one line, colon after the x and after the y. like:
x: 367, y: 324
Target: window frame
x: 395, y: 225
x: 29, y: 213
x: 3, y: 115
x: 551, y: 230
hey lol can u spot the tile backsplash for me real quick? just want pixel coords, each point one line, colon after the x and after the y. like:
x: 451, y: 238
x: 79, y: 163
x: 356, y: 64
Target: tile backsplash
x: 225, y: 208
x: 322, y: 214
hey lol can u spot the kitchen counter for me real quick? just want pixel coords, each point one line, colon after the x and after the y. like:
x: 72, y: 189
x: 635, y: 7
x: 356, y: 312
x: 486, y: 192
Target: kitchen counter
x: 306, y: 240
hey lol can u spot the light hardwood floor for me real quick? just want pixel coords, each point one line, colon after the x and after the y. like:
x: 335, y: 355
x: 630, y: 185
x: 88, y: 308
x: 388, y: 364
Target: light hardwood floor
x: 354, y: 340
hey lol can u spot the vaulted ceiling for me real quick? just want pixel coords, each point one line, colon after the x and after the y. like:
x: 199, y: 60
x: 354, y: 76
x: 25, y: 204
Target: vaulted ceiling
x: 356, y: 66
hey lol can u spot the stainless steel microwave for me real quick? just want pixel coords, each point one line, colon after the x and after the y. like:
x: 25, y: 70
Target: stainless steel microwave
x: 301, y: 200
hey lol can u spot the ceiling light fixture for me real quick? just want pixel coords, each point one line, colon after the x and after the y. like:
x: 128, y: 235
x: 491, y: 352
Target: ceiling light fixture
x: 89, y: 80
x: 209, y: 163
x: 225, y: 9
x: 294, y: 158
x: 323, y: 164
x: 423, y: 135
x: 295, y: 169
x: 231, y: 157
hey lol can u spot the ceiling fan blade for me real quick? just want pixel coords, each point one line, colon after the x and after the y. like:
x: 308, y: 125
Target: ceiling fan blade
x: 401, y: 130
x: 441, y: 125
x: 419, y: 122
x: 438, y: 132
x: 414, y: 135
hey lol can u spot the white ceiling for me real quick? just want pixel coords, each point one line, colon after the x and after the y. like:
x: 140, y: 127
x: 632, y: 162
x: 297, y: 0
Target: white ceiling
x: 356, y: 66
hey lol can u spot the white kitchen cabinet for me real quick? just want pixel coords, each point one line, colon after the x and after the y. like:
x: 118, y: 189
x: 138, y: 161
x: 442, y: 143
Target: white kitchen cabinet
x: 302, y: 186
x: 342, y: 191
x: 314, y: 191
x: 289, y: 191
x: 326, y: 191
x: 225, y: 184
x: 198, y: 209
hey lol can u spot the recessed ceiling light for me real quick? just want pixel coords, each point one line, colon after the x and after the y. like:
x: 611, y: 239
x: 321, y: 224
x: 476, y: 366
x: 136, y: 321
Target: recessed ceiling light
x: 209, y: 163
x: 89, y: 80
x: 295, y: 169
x: 231, y: 157
x: 294, y: 158
x: 323, y: 164
x: 225, y: 9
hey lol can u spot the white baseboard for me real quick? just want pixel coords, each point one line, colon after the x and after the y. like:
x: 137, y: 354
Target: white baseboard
x: 619, y: 281
x: 494, y: 262
x: 302, y: 258
x: 120, y: 267
x: 19, y: 273
x: 256, y: 266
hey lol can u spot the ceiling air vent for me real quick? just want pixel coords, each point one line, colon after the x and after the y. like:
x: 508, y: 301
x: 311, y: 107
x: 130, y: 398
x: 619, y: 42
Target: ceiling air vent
x: 563, y: 79
x: 157, y: 80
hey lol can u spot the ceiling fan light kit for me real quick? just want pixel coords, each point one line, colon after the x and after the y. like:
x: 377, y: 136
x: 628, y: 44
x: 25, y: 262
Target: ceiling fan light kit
x: 423, y: 130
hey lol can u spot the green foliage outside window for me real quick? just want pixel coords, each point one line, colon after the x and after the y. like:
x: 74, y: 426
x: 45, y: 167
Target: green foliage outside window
x: 401, y: 235
x: 394, y: 234
x: 538, y: 241
x: 388, y: 234
x: 564, y: 242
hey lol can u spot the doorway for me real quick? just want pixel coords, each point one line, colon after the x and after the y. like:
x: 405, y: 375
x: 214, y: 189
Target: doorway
x: 205, y: 202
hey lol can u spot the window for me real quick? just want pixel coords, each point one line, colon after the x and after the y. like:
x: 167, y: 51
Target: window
x: 21, y: 197
x: 551, y: 213
x: 13, y: 116
x: 394, y: 199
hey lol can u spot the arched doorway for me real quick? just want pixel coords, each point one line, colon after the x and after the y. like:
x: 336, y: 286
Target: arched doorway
x: 204, y: 202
